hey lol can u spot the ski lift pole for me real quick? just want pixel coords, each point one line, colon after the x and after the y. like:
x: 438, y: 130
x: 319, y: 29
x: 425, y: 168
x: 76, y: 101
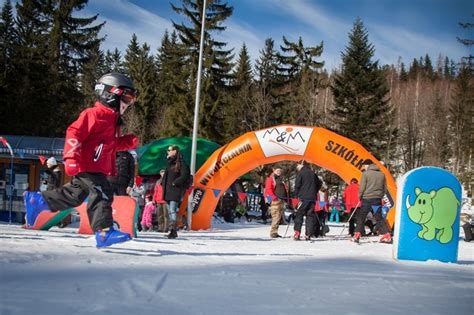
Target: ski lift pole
x: 196, y: 118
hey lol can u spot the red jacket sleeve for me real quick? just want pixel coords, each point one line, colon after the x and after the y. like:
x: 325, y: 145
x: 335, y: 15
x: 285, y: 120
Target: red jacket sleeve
x: 76, y: 133
x: 127, y: 142
x: 269, y: 189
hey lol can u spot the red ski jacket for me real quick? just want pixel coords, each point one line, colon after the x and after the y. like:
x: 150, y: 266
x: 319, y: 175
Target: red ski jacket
x: 92, y: 140
x: 158, y: 193
x: 351, y: 197
x: 270, y: 189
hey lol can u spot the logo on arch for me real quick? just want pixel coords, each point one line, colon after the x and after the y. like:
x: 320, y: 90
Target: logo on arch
x: 284, y: 140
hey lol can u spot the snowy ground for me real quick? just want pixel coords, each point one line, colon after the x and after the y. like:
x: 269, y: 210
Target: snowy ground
x: 231, y: 269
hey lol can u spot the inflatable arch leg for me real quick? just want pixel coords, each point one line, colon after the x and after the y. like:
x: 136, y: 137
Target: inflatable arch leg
x: 285, y: 142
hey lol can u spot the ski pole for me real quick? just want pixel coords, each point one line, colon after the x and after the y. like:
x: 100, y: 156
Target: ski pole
x: 352, y: 214
x: 288, y: 224
x: 292, y: 216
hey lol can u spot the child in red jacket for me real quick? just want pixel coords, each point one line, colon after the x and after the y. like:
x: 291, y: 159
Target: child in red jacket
x: 89, y: 157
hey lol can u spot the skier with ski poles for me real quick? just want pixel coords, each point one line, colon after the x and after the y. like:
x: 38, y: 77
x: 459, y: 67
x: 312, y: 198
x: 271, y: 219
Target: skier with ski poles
x: 89, y: 157
x: 307, y: 185
x: 371, y: 191
x: 352, y: 202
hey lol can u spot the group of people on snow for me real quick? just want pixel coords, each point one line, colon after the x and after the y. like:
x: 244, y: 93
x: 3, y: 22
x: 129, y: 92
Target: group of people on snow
x: 96, y: 157
x: 361, y: 201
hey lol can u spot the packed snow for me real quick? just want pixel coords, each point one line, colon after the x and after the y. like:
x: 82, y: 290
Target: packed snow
x: 230, y: 269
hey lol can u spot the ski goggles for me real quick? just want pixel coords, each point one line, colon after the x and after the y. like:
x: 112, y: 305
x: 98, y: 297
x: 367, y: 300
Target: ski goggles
x: 128, y: 96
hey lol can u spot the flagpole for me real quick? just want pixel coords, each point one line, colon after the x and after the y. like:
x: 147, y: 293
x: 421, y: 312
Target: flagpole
x: 196, y: 116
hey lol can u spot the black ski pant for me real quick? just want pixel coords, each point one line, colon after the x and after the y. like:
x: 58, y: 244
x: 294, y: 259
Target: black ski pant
x: 94, y: 185
x: 305, y: 208
x: 361, y: 216
x: 119, y: 189
x: 352, y: 222
x: 320, y: 223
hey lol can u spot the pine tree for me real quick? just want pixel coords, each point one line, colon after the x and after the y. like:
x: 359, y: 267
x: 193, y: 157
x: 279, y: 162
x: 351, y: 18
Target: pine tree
x: 362, y: 111
x: 140, y: 66
x: 428, y: 68
x: 414, y: 70
x: 113, y: 61
x: 92, y: 70
x: 32, y: 96
x: 460, y: 121
x: 53, y: 47
x: 447, y: 69
x: 301, y: 73
x: 403, y: 73
x: 217, y: 64
x: 265, y: 110
x: 7, y: 70
x: 71, y: 39
x: 468, y: 42
x: 173, y: 92
x: 235, y: 113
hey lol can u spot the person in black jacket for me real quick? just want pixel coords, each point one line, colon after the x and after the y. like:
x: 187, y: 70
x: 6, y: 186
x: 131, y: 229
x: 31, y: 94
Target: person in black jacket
x: 307, y: 185
x: 123, y: 181
x: 175, y: 182
x: 55, y: 175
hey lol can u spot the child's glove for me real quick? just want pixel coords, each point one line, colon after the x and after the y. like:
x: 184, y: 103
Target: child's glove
x: 71, y: 167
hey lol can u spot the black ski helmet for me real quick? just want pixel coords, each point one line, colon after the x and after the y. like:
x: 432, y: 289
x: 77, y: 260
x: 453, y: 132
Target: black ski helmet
x: 113, y: 87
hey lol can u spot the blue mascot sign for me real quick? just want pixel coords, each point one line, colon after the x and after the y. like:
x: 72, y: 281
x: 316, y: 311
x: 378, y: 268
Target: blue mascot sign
x: 427, y: 219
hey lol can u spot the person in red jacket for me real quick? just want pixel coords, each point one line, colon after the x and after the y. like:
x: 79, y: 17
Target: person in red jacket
x: 351, y: 200
x: 161, y: 206
x: 89, y: 157
x: 276, y: 194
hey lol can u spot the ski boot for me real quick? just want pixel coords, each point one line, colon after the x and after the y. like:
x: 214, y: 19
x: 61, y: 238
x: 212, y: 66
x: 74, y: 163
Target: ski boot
x: 110, y: 236
x: 173, y: 233
x: 34, y: 205
x: 296, y: 237
x: 356, y: 238
x: 386, y: 238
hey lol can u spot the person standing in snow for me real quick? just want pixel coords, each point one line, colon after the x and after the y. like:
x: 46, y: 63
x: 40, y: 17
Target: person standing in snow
x: 321, y: 208
x: 161, y: 206
x: 123, y: 180
x: 371, y: 191
x: 175, y: 182
x: 307, y: 185
x: 89, y: 157
x: 147, y: 216
x: 352, y: 202
x: 55, y: 175
x: 276, y: 193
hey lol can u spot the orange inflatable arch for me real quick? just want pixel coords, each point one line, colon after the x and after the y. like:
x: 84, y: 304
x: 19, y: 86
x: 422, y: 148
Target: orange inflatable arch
x: 285, y: 142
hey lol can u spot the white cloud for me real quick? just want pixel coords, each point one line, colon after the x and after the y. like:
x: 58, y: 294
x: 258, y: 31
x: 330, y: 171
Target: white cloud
x: 391, y: 42
x: 324, y: 23
x: 125, y: 19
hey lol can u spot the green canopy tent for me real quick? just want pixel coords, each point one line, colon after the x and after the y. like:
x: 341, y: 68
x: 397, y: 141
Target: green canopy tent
x: 152, y: 156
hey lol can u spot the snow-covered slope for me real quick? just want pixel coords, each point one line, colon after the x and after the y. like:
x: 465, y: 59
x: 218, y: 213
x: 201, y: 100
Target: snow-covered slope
x: 231, y: 269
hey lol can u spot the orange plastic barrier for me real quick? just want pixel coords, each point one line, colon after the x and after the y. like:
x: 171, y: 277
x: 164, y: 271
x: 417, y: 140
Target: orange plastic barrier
x: 285, y: 142
x: 124, y: 211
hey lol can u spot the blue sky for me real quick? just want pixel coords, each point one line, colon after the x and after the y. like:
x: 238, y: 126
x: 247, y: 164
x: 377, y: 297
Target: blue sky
x: 397, y: 28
